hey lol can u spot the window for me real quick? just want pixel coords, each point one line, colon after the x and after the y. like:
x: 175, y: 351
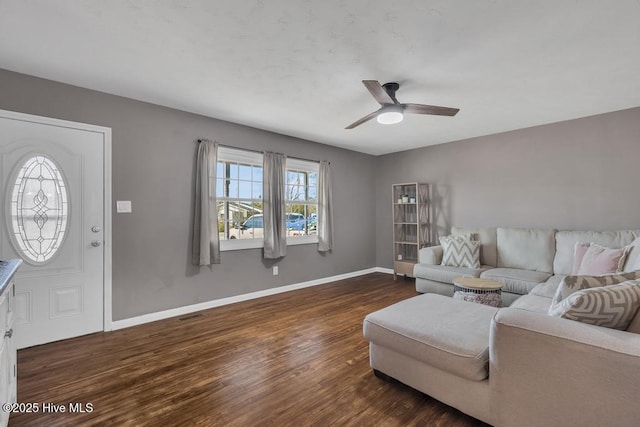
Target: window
x: 39, y: 209
x: 302, y: 200
x: 239, y: 181
x: 239, y: 198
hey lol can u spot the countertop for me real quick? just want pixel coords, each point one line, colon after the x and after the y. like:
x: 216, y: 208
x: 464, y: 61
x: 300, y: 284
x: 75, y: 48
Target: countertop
x: 7, y: 270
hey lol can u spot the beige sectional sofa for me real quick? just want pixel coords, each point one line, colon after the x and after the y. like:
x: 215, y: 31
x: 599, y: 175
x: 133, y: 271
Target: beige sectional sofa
x: 513, y: 366
x: 520, y: 258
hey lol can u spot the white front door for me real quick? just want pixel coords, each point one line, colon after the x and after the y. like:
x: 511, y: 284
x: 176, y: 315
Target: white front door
x: 52, y: 191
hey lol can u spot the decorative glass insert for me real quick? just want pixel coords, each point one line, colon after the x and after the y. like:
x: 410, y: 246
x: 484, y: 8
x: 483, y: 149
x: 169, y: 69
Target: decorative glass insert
x: 39, y: 209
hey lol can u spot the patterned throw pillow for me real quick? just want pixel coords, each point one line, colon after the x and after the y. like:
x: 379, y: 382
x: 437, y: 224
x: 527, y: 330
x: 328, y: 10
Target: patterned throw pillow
x: 611, y: 306
x: 571, y: 284
x: 459, y: 251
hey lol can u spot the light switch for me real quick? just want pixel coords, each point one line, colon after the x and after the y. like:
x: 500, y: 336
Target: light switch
x: 123, y: 206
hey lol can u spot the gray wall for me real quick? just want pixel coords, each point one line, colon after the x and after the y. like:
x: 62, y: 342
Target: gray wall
x: 153, y: 164
x: 578, y: 174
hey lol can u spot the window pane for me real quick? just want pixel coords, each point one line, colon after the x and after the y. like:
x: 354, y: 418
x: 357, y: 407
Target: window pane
x: 233, y: 170
x: 245, y: 172
x: 256, y: 192
x: 302, y: 178
x: 257, y: 174
x: 313, y: 179
x: 257, y: 207
x: 292, y: 177
x: 219, y: 188
x: 295, y: 192
x: 313, y: 194
x: 220, y: 170
x: 252, y: 227
x: 233, y: 189
x: 245, y: 189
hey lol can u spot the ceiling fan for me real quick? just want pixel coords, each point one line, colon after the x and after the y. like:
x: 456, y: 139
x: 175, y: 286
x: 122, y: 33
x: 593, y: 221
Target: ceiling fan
x: 392, y: 111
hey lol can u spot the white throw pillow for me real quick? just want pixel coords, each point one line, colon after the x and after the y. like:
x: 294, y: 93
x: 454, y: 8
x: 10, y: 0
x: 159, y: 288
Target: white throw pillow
x: 633, y: 257
x: 458, y: 251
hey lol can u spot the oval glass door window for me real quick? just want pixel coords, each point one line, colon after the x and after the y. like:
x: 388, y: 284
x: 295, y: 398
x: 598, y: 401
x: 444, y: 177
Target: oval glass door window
x: 39, y: 209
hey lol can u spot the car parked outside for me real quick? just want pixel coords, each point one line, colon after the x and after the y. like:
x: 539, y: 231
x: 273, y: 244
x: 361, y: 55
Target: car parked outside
x: 253, y: 227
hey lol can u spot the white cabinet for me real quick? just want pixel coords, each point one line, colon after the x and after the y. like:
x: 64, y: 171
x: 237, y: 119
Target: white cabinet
x: 8, y: 352
x: 411, y: 225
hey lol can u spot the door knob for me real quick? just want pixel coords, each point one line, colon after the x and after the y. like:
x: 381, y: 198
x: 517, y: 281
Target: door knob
x: 95, y: 243
x: 95, y: 229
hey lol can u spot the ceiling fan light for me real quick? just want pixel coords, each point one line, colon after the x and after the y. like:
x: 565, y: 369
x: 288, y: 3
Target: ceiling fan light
x: 390, y: 117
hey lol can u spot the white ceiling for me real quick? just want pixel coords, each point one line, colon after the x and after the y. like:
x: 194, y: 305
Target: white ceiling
x: 295, y: 67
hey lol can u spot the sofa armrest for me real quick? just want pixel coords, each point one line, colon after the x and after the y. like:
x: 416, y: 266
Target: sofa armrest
x: 431, y: 255
x: 546, y: 371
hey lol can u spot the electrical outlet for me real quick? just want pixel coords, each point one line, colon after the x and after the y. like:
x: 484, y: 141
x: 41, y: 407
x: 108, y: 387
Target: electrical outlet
x: 275, y: 270
x: 399, y: 257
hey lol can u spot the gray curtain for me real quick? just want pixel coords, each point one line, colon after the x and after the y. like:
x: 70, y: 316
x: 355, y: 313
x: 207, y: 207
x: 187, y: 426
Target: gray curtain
x: 206, y: 243
x: 325, y: 208
x: 275, y: 237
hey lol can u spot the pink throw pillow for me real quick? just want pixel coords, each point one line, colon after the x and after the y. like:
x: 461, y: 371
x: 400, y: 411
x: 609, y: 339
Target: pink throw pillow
x: 599, y: 260
x: 578, y: 254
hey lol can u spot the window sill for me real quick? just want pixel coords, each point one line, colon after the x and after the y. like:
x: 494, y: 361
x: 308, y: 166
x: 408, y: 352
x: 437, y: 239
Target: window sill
x: 241, y: 244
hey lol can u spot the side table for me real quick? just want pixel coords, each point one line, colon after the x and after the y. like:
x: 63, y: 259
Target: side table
x: 478, y: 290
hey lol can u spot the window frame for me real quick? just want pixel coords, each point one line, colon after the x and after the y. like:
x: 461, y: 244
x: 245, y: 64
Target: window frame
x: 239, y: 155
x: 308, y: 166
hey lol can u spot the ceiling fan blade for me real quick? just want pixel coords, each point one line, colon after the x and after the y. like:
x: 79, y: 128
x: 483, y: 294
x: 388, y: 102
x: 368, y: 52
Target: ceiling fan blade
x: 429, y: 109
x: 378, y: 92
x: 362, y: 120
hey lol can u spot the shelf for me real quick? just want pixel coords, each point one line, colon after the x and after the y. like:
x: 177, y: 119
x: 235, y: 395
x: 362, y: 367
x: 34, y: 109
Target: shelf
x: 411, y: 224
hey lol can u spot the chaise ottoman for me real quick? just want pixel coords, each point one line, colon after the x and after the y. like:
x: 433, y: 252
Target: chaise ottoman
x: 437, y: 345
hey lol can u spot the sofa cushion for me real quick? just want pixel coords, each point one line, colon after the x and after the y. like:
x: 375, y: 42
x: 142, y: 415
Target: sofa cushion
x: 566, y: 240
x: 611, y: 306
x: 534, y: 303
x: 430, y: 255
x: 515, y: 280
x: 488, y: 242
x: 526, y: 248
x: 446, y: 274
x: 460, y: 252
x: 599, y: 260
x: 450, y: 335
x: 548, y: 289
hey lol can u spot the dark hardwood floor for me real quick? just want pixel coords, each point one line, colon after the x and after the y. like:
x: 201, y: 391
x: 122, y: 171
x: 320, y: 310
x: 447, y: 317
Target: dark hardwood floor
x: 297, y: 358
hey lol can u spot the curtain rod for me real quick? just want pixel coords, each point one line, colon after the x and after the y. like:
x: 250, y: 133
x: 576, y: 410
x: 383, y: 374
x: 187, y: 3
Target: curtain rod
x: 261, y: 152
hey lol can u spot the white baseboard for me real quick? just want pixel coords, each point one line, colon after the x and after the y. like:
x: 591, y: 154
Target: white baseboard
x: 152, y: 317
